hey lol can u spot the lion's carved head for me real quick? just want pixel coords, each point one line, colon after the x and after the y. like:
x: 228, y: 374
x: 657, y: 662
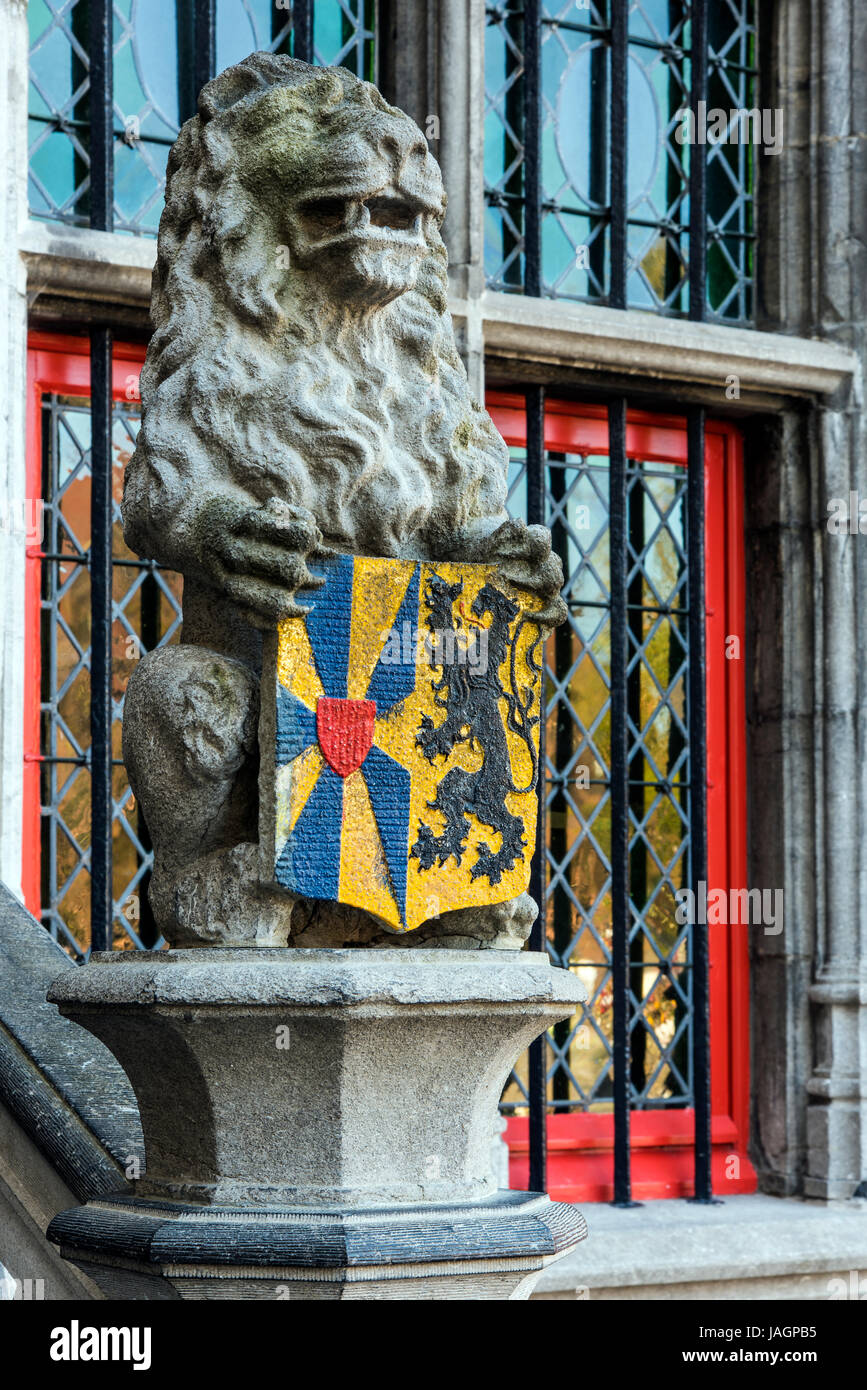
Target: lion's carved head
x: 302, y: 342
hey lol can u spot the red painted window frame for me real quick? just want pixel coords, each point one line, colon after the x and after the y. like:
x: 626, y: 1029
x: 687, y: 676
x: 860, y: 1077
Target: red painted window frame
x: 580, y: 1146
x: 57, y: 363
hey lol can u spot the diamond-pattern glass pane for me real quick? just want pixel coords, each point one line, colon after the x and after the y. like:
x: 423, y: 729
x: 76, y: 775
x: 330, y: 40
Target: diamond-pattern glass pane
x: 575, y: 154
x: 152, y: 46
x: 146, y: 614
x: 578, y: 790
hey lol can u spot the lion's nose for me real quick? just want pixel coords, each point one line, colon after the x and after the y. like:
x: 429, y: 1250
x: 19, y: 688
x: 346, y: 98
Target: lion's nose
x: 401, y: 146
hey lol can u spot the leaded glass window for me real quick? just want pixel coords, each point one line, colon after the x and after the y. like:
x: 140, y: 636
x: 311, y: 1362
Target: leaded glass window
x: 578, y: 914
x: 146, y: 614
x: 152, y: 41
x: 575, y: 82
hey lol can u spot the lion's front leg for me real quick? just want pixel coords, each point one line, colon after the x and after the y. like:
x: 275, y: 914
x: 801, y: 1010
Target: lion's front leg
x: 523, y: 557
x: 262, y: 558
x: 437, y: 741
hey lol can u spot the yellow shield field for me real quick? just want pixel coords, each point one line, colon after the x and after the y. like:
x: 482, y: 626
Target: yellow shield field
x: 406, y: 733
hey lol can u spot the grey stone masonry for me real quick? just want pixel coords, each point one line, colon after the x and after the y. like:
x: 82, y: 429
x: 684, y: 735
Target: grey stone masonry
x: 808, y: 639
x: 317, y: 1119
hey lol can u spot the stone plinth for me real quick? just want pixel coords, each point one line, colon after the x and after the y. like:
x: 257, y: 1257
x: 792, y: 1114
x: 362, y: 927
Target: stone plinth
x: 317, y: 1123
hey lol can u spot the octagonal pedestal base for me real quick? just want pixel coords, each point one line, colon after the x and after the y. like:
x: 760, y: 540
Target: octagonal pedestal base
x: 490, y: 1250
x: 317, y: 1123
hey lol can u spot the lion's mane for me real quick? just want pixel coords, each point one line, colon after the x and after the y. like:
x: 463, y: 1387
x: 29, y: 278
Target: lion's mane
x: 249, y: 390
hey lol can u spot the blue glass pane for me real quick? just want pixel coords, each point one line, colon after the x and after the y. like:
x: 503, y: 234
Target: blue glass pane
x: 343, y: 35
x: 50, y: 64
x: 238, y: 32
x: 146, y: 69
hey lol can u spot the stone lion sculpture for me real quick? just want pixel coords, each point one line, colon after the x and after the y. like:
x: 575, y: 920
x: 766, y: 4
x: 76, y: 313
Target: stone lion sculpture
x: 302, y: 394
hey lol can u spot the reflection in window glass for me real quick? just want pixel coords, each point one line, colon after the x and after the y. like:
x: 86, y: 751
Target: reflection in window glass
x: 578, y: 794
x: 152, y: 65
x: 146, y: 614
x: 575, y: 76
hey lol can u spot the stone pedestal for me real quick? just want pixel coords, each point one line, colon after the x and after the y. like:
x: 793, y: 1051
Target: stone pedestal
x: 317, y: 1123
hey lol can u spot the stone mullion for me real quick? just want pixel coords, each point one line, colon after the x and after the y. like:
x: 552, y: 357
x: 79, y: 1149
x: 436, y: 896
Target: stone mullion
x: 431, y: 63
x: 834, y: 1136
x: 783, y: 780
x: 460, y: 105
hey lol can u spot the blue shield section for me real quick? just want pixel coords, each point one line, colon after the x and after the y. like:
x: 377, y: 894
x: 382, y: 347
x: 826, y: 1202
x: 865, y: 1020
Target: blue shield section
x: 328, y: 626
x: 391, y: 681
x: 310, y: 862
x: 388, y: 785
x: 296, y: 727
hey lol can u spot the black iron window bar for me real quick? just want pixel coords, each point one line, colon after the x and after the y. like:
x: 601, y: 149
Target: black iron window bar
x: 620, y: 784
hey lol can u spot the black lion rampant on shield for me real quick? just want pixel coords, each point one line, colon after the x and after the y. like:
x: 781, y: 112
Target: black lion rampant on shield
x: 470, y: 695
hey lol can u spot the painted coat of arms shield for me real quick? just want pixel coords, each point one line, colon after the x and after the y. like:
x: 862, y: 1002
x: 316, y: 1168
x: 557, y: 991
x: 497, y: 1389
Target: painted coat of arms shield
x: 401, y: 740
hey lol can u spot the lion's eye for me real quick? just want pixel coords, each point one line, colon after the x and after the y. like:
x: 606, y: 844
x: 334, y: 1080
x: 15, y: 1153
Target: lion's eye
x: 325, y: 213
x: 391, y: 212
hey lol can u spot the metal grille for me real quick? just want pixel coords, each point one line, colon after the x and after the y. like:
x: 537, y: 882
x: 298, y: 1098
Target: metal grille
x: 153, y: 48
x: 568, y: 52
x: 146, y: 613
x: 578, y: 808
x: 623, y: 806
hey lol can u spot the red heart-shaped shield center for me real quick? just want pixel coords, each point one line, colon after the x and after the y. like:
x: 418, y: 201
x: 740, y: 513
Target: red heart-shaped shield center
x: 345, y: 732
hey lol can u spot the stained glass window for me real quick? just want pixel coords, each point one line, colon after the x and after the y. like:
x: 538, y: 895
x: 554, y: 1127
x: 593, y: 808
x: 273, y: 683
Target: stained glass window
x: 575, y: 80
x: 578, y: 797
